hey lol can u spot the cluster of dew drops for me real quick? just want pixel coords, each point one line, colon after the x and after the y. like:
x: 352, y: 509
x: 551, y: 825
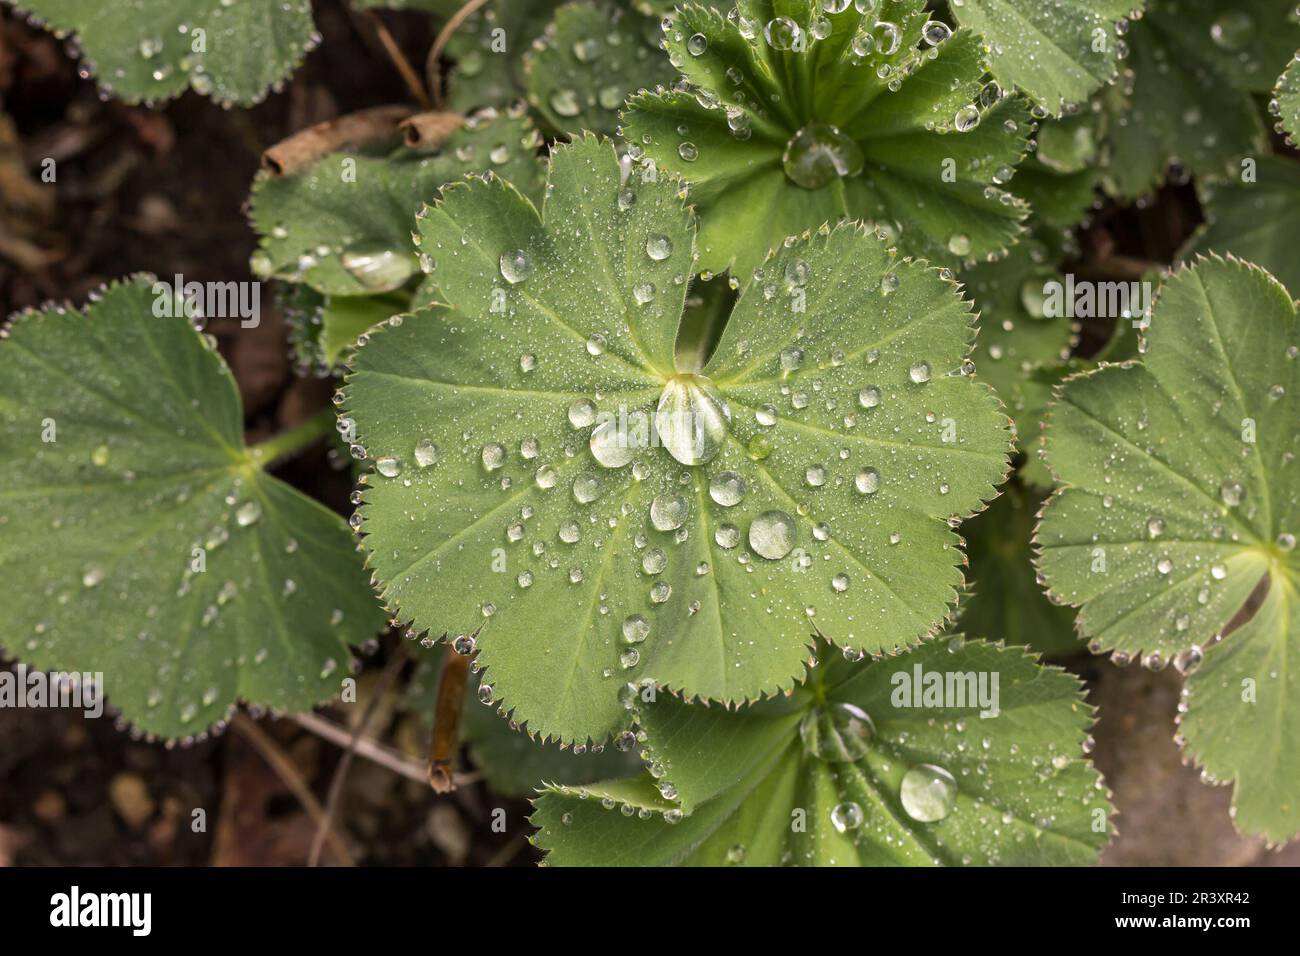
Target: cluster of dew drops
x: 841, y: 734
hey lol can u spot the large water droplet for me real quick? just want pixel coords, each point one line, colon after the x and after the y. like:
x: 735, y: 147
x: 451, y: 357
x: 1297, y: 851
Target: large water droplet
x: 377, y: 267
x: 819, y: 154
x: 837, y: 732
x: 772, y: 535
x: 516, y: 266
x: 846, y: 816
x: 691, y: 419
x: 669, y: 512
x: 928, y: 793
x: 727, y: 488
x: 609, y: 445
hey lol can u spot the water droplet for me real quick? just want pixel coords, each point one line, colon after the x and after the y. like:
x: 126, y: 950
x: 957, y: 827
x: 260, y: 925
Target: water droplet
x: 867, y: 481
x: 377, y: 267
x: 727, y: 488
x: 689, y: 152
x: 658, y: 247
x: 935, y: 32
x: 516, y: 266
x: 869, y: 397
x: 846, y: 816
x: 390, y: 466
x: 836, y: 732
x: 928, y: 793
x: 587, y: 488
x: 248, y: 513
x: 426, y: 453
x: 582, y: 413
x: 919, y: 373
x: 966, y: 119
x: 1232, y: 493
x: 691, y: 419
x: 635, y: 629
x: 609, y: 445
x: 668, y: 512
x: 493, y: 455
x: 819, y: 154
x: 782, y: 33
x: 959, y: 244
x: 772, y: 535
x: 565, y: 102
x: 726, y: 536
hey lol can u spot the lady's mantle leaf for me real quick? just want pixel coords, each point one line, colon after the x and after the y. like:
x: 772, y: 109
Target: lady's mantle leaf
x: 488, y: 52
x: 579, y: 72
x: 1188, y: 99
x: 141, y: 538
x: 802, y: 476
x: 850, y: 771
x: 153, y: 50
x: 1057, y: 53
x: 1256, y: 220
x: 1181, y: 496
x: 1286, y: 101
x: 885, y: 118
x: 343, y: 226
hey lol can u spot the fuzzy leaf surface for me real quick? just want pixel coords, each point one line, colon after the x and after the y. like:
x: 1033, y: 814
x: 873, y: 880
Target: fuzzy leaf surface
x: 1180, y: 496
x: 1058, y: 53
x: 902, y: 164
x: 97, y: 557
x: 872, y: 440
x: 151, y: 50
x: 755, y: 793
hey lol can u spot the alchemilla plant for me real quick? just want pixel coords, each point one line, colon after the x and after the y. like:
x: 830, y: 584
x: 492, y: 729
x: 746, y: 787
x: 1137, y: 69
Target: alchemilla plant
x: 753, y: 422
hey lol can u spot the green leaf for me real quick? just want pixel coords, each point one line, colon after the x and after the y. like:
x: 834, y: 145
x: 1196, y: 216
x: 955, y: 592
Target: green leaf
x: 520, y: 531
x: 763, y: 119
x: 1005, y: 597
x: 98, y: 560
x: 1059, y: 53
x: 1286, y: 101
x: 152, y: 50
x: 514, y: 764
x: 1188, y: 100
x: 488, y: 52
x: 1180, y: 496
x: 1258, y: 221
x: 588, y: 61
x: 1060, y: 179
x: 1017, y: 338
x: 343, y: 225
x: 759, y: 787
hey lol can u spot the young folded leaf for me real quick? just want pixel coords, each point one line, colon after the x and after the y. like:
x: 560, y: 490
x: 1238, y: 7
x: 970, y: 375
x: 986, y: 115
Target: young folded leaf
x: 1057, y: 53
x: 796, y: 116
x: 152, y: 50
x: 1177, y: 520
x: 144, y: 541
x: 603, y: 511
x: 898, y: 761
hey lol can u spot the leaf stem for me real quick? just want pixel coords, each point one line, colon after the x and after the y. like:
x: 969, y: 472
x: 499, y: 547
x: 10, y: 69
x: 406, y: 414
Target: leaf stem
x: 291, y: 442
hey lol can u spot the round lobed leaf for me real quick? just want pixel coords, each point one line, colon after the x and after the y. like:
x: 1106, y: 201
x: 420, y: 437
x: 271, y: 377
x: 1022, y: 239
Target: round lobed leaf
x: 604, y: 512
x: 142, y: 539
x: 1180, y: 498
